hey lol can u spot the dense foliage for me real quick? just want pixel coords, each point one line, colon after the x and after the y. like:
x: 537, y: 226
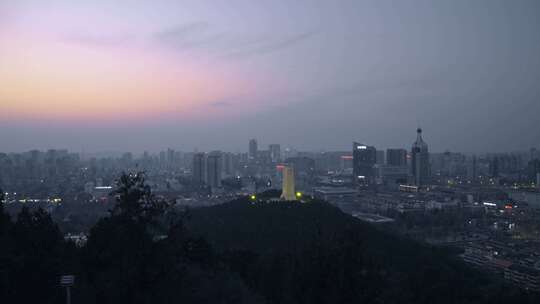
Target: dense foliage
x: 293, y: 252
x: 132, y: 256
x: 244, y: 251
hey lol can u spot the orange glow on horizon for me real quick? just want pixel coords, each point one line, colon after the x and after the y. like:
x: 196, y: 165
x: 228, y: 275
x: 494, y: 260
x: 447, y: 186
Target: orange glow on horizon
x: 65, y: 82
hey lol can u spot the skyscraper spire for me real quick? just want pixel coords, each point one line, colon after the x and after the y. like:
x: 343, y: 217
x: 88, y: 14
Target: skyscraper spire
x: 420, y: 160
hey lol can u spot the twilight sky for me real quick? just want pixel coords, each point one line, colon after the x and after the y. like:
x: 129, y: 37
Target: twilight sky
x: 147, y: 75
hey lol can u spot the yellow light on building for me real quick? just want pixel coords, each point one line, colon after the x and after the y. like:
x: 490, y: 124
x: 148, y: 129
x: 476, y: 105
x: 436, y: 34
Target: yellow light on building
x: 288, y: 193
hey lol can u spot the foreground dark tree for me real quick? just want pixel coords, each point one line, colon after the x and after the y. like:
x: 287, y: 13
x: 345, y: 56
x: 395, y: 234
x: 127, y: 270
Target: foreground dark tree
x: 33, y: 256
x: 5, y: 221
x: 127, y: 260
x: 134, y: 200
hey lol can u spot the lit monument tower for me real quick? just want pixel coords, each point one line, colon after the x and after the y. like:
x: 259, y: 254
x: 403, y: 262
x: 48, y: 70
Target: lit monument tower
x: 420, y: 160
x: 288, y: 193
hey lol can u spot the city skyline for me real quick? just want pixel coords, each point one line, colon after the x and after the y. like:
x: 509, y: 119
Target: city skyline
x: 295, y: 149
x: 270, y: 151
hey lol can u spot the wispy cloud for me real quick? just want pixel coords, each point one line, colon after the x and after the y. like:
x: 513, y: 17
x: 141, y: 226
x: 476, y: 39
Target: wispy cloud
x: 269, y: 46
x: 188, y: 36
x: 201, y: 36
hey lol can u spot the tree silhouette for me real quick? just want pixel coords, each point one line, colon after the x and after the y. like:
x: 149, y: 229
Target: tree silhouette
x: 134, y: 199
x: 33, y: 254
x: 126, y: 261
x: 4, y: 217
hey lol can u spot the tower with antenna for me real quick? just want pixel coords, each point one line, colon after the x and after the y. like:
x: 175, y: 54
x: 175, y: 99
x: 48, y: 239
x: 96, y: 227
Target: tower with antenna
x: 420, y: 166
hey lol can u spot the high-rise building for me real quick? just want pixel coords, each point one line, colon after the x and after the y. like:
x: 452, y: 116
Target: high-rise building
x: 162, y: 158
x: 275, y: 152
x: 264, y: 158
x: 533, y: 169
x: 199, y: 168
x: 170, y: 156
x: 396, y: 157
x: 288, y: 192
x: 472, y: 169
x: 127, y: 159
x: 380, y: 157
x: 534, y: 154
x: 252, y: 149
x: 420, y: 161
x: 494, y: 167
x: 391, y: 175
x: 364, y: 159
x: 214, y: 169
x: 228, y: 164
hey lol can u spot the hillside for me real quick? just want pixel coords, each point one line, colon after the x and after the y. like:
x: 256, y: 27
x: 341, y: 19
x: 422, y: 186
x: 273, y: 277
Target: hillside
x: 293, y: 252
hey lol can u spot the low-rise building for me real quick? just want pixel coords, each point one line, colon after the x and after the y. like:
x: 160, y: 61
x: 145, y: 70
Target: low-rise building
x: 523, y: 276
x: 334, y: 193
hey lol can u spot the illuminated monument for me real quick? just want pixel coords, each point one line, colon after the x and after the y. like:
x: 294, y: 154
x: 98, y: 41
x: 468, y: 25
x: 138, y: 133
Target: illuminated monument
x: 288, y: 193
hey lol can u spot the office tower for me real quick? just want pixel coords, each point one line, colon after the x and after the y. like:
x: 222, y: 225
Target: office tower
x: 162, y: 157
x: 380, y: 157
x: 127, y: 159
x: 472, y: 168
x: 288, y: 192
x: 534, y: 154
x: 213, y: 169
x: 396, y: 157
x: 420, y: 161
x: 170, y: 156
x: 494, y: 167
x: 345, y: 162
x: 533, y: 169
x: 364, y: 159
x: 252, y: 149
x: 275, y: 152
x: 228, y: 164
x: 264, y: 158
x: 199, y: 168
x: 475, y: 168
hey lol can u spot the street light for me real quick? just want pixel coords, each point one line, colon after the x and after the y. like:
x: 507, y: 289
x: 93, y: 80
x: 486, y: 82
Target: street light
x: 67, y: 281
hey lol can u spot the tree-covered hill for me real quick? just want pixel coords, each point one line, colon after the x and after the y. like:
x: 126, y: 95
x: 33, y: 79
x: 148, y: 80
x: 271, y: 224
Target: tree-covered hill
x: 292, y: 252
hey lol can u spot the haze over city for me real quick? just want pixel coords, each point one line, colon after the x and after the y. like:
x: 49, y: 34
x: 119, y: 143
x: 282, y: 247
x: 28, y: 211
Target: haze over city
x: 270, y: 151
x: 313, y: 75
